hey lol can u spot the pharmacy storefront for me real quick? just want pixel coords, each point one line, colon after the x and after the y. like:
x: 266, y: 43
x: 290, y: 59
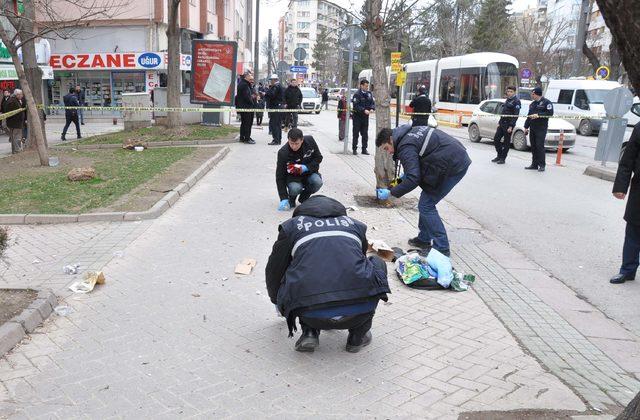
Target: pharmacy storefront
x: 106, y: 76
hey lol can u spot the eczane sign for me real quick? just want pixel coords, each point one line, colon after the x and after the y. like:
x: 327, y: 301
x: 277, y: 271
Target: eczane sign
x: 116, y: 61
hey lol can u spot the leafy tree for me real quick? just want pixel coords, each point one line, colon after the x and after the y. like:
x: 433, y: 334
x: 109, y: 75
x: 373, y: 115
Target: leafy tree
x: 493, y: 28
x: 325, y: 57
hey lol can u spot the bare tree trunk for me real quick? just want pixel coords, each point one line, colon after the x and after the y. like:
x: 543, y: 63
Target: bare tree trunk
x: 173, y: 67
x: 632, y: 411
x: 614, y: 61
x: 591, y: 56
x: 623, y: 20
x: 384, y: 166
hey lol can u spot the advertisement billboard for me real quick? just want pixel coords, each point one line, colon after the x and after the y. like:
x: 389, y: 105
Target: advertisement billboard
x: 213, y: 72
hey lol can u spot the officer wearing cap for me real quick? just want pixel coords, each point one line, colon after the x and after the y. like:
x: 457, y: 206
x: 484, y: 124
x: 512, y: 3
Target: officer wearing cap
x: 275, y: 99
x: 421, y: 106
x: 505, y: 126
x: 536, y: 125
x: 363, y: 106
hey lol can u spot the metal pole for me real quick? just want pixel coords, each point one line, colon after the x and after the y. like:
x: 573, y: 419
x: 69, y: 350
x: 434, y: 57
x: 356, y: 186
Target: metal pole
x: 580, y: 37
x: 256, y: 45
x: 349, y: 77
x: 398, y: 93
x: 269, y: 53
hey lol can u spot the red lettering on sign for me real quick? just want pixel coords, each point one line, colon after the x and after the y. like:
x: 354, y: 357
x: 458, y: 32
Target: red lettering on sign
x: 68, y: 61
x: 129, y: 60
x: 82, y: 61
x: 54, y: 61
x: 113, y: 60
x: 98, y: 62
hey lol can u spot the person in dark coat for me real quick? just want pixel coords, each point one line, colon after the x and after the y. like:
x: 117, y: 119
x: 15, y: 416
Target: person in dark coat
x: 297, y: 169
x: 275, y: 99
x: 244, y: 100
x: 628, y: 180
x: 325, y: 99
x: 537, y: 123
x: 319, y: 272
x: 502, y: 138
x: 3, y: 107
x: 293, y: 100
x: 421, y: 104
x: 259, y: 104
x: 342, y: 115
x: 432, y: 160
x: 363, y: 106
x: 82, y: 101
x: 71, y: 115
x: 16, y: 123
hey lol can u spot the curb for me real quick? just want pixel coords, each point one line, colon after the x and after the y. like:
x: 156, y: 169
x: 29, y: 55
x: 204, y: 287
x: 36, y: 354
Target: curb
x: 149, y: 145
x: 14, y: 330
x: 162, y: 205
x: 601, y: 172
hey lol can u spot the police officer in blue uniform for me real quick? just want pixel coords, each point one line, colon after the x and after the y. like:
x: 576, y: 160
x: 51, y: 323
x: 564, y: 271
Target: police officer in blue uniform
x: 363, y: 105
x: 505, y: 125
x: 536, y: 127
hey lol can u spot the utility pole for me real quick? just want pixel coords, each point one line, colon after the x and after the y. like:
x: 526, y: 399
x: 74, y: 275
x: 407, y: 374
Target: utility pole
x: 256, y: 45
x: 349, y: 77
x: 581, y: 32
x: 269, y: 54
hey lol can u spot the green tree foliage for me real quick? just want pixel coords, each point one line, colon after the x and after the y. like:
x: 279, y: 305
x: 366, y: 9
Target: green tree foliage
x: 493, y: 28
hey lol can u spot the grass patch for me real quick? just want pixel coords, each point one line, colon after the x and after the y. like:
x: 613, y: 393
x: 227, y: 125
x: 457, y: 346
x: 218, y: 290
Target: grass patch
x: 25, y: 188
x: 158, y: 133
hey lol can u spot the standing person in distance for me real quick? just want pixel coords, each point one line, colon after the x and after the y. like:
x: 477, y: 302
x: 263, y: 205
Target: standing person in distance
x: 293, y: 100
x: 275, y: 98
x: 325, y: 99
x: 3, y: 106
x: 244, y: 100
x: 536, y: 124
x: 421, y: 104
x: 259, y: 104
x: 505, y: 125
x: 82, y: 101
x: 363, y: 105
x: 629, y: 166
x: 71, y: 115
x: 342, y: 115
x: 16, y: 123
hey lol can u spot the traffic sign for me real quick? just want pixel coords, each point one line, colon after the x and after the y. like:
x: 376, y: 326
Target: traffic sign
x: 283, y: 66
x: 396, y: 62
x: 602, y: 72
x: 298, y: 69
x: 359, y: 37
x: 356, y: 56
x: 400, y: 78
x: 300, y: 54
x: 526, y: 73
x: 618, y: 102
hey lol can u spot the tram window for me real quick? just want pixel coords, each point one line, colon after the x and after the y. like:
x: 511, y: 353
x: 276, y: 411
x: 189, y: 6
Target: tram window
x: 470, y: 86
x: 414, y: 81
x: 450, y: 86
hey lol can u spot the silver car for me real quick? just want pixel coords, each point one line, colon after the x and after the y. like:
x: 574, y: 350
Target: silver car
x: 484, y: 122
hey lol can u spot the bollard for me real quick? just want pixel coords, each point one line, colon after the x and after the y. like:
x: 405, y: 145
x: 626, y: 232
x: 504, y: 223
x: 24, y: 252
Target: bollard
x: 459, y: 121
x: 560, y: 144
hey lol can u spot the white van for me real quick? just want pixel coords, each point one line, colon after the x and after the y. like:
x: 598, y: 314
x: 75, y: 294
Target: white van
x: 633, y: 116
x: 580, y: 100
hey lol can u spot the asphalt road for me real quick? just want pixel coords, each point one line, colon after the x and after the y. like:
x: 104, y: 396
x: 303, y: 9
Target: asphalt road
x: 566, y: 222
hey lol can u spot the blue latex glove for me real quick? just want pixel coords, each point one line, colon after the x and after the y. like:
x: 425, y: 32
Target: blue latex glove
x: 304, y: 168
x: 284, y: 205
x: 403, y: 177
x: 383, y: 193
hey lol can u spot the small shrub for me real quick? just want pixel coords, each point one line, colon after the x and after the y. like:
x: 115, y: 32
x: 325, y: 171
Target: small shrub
x: 4, y: 239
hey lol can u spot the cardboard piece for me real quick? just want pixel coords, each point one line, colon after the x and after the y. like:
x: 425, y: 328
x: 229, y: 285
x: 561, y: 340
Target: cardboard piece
x: 383, y: 250
x: 245, y: 266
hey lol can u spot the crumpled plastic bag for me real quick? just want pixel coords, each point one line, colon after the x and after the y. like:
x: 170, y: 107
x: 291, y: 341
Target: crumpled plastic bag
x: 91, y: 278
x: 431, y: 272
x: 462, y: 282
x: 439, y: 266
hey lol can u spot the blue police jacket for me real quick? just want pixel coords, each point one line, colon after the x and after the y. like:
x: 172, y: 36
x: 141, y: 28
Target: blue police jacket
x: 542, y: 107
x: 511, y: 107
x: 362, y: 100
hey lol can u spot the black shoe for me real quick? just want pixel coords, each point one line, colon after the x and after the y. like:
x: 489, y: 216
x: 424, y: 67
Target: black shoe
x: 420, y: 244
x: 308, y: 341
x: 63, y: 139
x: 81, y: 123
x: 353, y: 347
x: 533, y: 167
x: 274, y: 143
x: 79, y: 137
x: 250, y: 141
x: 364, y: 152
x: 541, y: 169
x: 500, y: 162
x: 621, y: 278
x: 355, y: 152
x: 494, y: 160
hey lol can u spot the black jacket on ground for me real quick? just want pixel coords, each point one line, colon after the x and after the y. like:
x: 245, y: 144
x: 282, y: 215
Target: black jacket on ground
x: 511, y: 106
x: 319, y: 260
x: 426, y: 166
x: 542, y: 107
x: 274, y: 96
x: 293, y: 97
x: 308, y: 154
x: 630, y: 166
x: 243, y: 97
x: 18, y: 120
x: 70, y: 99
x: 421, y: 104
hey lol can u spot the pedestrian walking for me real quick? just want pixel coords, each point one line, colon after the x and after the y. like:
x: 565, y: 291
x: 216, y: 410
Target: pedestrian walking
x: 536, y: 125
x: 502, y: 138
x: 71, y: 115
x: 628, y: 167
x: 244, y: 100
x: 16, y: 123
x: 432, y: 160
x: 275, y: 99
x: 363, y: 105
x: 325, y: 99
x: 319, y: 272
x: 342, y: 115
x: 293, y: 100
x: 297, y: 175
x: 82, y: 101
x: 259, y: 104
x: 421, y: 104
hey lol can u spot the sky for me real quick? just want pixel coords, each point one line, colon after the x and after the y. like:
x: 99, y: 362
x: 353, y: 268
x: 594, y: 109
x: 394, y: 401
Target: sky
x: 272, y: 10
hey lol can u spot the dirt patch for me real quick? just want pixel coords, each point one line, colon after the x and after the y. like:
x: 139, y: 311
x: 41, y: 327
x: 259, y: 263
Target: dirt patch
x: 523, y: 415
x: 370, y: 201
x: 28, y: 162
x: 146, y: 195
x: 14, y: 301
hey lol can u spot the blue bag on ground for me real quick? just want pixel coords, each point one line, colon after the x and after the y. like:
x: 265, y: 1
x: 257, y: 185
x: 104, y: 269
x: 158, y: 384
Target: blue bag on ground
x: 439, y: 266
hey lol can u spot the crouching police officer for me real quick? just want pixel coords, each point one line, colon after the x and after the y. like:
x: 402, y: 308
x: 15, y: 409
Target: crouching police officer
x: 318, y: 272
x: 505, y: 125
x: 297, y: 169
x: 536, y: 125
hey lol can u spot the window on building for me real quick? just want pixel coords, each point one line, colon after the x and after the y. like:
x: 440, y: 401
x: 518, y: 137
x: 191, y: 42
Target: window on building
x: 227, y: 8
x: 303, y: 35
x: 303, y: 3
x: 565, y: 97
x: 303, y: 25
x: 302, y: 13
x: 302, y: 45
x: 211, y: 6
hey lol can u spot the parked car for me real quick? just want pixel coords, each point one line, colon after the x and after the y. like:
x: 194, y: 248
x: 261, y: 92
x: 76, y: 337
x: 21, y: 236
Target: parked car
x: 334, y: 93
x: 582, y: 100
x: 524, y: 93
x: 633, y: 116
x: 311, y: 100
x: 484, y: 122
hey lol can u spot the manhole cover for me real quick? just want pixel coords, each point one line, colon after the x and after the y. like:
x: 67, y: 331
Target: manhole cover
x: 370, y: 201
